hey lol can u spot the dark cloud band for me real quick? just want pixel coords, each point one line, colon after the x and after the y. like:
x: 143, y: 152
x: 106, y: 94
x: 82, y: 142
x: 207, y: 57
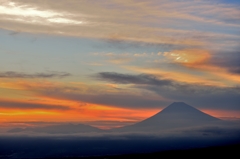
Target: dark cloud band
x: 201, y: 95
x: 132, y: 79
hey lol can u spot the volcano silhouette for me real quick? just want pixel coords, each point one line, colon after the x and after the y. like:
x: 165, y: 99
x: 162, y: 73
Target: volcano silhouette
x: 176, y: 115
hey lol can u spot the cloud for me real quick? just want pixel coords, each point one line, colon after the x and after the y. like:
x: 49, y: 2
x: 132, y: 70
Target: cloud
x: 25, y: 105
x: 141, y: 91
x: 14, y: 33
x: 132, y: 79
x: 116, y: 58
x: 122, y: 100
x: 217, y: 131
x: 206, y: 97
x: 227, y: 60
x: 131, y: 21
x: 129, y: 58
x: 26, y: 13
x: 188, y: 56
x: 235, y: 70
x: 12, y: 74
x: 203, y: 96
x: 218, y: 63
x: 146, y: 91
x: 83, y: 95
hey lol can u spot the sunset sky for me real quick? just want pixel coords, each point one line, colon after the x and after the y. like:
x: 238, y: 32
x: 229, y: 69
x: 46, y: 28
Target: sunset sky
x: 109, y: 63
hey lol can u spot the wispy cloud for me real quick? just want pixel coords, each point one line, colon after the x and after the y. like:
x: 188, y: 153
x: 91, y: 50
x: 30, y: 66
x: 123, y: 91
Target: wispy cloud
x: 142, y: 91
x: 188, y: 56
x: 25, y: 105
x: 116, y: 58
x: 132, y: 79
x: 227, y: 62
x: 12, y: 74
x: 20, y: 12
x: 149, y: 22
x: 120, y: 99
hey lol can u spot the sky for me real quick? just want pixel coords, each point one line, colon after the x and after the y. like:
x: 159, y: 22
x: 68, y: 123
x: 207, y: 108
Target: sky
x: 110, y: 63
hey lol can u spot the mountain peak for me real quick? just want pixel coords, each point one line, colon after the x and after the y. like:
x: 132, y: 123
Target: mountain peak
x: 179, y: 104
x: 179, y: 107
x: 182, y: 111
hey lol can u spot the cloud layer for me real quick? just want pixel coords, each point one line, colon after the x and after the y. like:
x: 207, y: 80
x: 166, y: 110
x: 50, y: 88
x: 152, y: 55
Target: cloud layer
x: 31, y: 106
x: 204, y: 96
x: 12, y: 74
x: 124, y: 20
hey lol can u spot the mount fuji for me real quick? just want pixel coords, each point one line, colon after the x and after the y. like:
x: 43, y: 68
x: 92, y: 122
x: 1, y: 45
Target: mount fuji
x: 176, y: 115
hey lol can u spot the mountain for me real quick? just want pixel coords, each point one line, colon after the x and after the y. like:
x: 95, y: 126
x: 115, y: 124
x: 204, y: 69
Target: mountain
x: 176, y: 115
x: 59, y: 129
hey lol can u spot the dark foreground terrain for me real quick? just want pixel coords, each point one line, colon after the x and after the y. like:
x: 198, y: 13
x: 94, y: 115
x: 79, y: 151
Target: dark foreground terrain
x: 230, y: 151
x: 117, y: 147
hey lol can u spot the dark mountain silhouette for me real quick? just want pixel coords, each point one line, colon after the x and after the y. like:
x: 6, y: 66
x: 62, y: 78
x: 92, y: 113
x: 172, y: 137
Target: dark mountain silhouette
x: 59, y: 129
x: 176, y: 115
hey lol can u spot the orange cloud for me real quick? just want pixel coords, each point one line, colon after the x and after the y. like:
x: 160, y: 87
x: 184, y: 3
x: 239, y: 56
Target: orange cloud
x: 231, y: 79
x: 199, y: 60
x: 86, y: 113
x: 77, y: 112
x: 188, y: 56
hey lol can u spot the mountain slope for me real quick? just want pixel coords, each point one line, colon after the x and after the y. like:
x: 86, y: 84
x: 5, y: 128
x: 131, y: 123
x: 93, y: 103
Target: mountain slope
x: 176, y: 115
